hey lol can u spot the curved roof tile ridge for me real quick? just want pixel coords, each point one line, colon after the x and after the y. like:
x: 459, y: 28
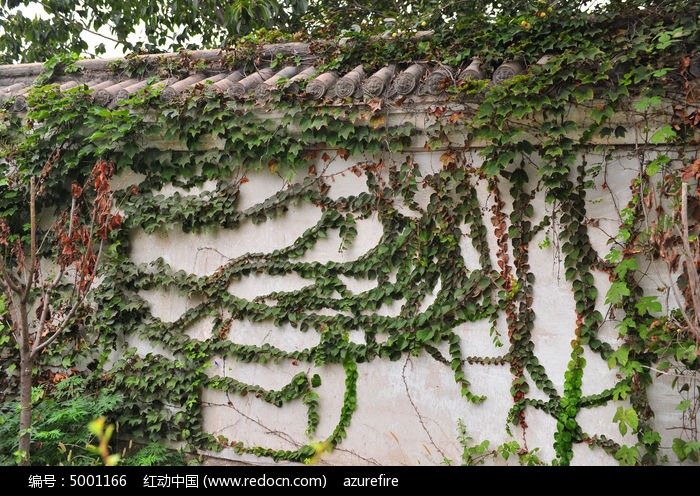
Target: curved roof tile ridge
x: 349, y: 85
x: 318, y: 87
x: 418, y: 79
x: 380, y: 81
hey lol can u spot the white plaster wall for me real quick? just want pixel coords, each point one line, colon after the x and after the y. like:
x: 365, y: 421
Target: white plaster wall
x: 408, y: 410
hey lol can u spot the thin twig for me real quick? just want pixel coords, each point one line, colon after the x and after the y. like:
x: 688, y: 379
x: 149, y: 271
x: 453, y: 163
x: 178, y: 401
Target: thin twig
x: 671, y: 374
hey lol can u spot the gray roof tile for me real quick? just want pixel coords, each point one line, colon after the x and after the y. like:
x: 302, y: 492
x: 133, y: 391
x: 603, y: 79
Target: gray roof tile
x: 419, y: 80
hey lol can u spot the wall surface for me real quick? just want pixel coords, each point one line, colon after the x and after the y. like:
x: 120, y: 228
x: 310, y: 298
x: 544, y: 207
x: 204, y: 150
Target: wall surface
x: 408, y: 410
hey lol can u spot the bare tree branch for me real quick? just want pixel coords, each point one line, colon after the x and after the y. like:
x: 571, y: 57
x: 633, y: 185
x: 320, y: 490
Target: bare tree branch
x: 9, y: 279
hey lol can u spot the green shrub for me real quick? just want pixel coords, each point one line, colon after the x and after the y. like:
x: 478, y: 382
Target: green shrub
x: 61, y: 413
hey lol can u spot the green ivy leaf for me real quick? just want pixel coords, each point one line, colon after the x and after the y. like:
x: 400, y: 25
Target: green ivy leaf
x: 686, y: 450
x: 617, y: 291
x: 663, y: 135
x: 648, y: 305
x: 627, y: 455
x: 620, y: 357
x: 645, y: 103
x: 582, y: 93
x: 624, y: 266
x: 425, y: 334
x: 655, y: 164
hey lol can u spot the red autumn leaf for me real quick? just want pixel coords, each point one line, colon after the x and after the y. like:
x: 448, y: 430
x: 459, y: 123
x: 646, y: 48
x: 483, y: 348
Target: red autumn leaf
x: 325, y: 157
x: 76, y: 190
x: 102, y: 204
x: 104, y: 186
x: 58, y: 377
x: 101, y: 168
x: 438, y: 111
x: 244, y: 180
x: 447, y: 158
x: 4, y: 231
x: 692, y: 171
x: 455, y: 117
x: 694, y: 208
x: 374, y: 104
x: 115, y: 221
x: 343, y: 153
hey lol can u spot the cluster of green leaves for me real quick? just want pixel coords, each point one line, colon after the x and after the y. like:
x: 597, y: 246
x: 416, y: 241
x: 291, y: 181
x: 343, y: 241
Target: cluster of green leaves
x: 151, y: 25
x: 62, y: 412
x: 283, y: 144
x: 8, y: 350
x: 479, y: 454
x: 654, y: 339
x: 154, y: 454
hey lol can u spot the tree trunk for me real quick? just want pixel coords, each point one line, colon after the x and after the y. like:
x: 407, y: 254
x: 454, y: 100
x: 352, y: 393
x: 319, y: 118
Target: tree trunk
x: 26, y: 369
